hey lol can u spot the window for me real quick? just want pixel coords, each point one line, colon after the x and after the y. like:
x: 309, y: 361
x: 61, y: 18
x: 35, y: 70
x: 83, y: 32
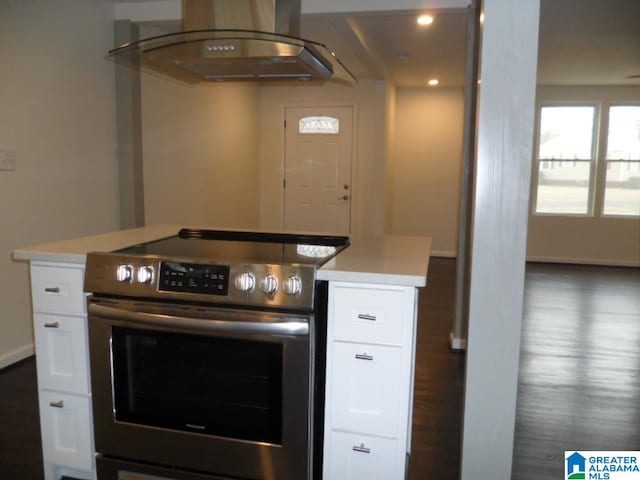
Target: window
x: 622, y: 188
x: 319, y: 125
x: 565, y: 159
x: 571, y: 175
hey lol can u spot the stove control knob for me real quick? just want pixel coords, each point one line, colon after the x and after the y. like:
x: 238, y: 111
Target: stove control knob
x: 270, y: 284
x: 124, y: 273
x: 145, y: 274
x: 292, y: 285
x: 245, y: 281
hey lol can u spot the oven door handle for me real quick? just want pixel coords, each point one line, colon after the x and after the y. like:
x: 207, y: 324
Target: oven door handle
x: 299, y: 327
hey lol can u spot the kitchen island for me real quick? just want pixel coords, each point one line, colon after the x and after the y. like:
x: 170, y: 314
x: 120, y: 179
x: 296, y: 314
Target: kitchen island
x: 371, y: 325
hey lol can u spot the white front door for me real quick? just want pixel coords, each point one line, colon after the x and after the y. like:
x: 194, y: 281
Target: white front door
x: 317, y: 178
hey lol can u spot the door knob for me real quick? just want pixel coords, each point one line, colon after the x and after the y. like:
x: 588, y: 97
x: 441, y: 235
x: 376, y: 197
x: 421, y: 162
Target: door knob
x: 344, y: 197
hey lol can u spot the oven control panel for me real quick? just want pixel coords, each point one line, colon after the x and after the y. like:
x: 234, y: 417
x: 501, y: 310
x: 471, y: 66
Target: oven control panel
x: 239, y: 284
x: 194, y: 278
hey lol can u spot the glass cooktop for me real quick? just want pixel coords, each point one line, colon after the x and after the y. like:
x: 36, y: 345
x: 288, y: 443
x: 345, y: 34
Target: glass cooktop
x: 244, y: 247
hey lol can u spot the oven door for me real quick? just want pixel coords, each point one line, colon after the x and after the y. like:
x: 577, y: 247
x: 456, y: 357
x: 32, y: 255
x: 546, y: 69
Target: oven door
x: 223, y: 391
x: 117, y: 469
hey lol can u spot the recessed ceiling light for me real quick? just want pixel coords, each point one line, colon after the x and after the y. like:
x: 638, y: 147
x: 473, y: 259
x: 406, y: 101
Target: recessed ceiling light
x: 433, y: 82
x: 425, y: 20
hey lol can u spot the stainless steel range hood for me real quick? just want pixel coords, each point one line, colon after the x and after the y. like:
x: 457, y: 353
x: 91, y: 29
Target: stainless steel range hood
x: 235, y: 40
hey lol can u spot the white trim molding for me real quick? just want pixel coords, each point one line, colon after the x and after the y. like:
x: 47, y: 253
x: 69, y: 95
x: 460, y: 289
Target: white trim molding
x: 443, y: 253
x: 457, y: 344
x: 16, y: 355
x: 600, y: 262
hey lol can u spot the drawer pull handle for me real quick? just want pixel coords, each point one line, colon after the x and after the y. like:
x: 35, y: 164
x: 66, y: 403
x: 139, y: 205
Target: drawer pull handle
x: 52, y: 325
x: 361, y: 448
x: 58, y: 404
x: 52, y: 289
x: 364, y: 356
x: 366, y: 316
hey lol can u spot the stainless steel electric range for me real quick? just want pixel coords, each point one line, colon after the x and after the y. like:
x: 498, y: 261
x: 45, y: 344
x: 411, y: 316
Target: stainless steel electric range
x: 207, y: 356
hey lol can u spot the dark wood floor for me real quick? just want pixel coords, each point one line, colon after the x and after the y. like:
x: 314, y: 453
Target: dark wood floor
x: 20, y: 447
x: 579, y: 382
x: 439, y: 381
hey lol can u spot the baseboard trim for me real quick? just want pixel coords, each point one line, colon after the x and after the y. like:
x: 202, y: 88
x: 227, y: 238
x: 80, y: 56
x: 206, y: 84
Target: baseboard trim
x: 457, y: 344
x: 443, y: 254
x: 585, y: 261
x: 16, y: 355
x: 543, y: 259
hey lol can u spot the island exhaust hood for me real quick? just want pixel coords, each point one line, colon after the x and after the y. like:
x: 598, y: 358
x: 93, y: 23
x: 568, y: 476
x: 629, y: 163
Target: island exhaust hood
x: 235, y: 40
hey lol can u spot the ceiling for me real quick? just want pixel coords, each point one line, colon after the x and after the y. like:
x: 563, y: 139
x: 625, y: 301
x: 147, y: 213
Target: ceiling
x: 582, y: 42
x: 589, y: 42
x: 394, y: 46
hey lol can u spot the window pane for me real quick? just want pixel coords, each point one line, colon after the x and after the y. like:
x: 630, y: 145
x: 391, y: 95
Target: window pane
x: 326, y: 125
x: 563, y: 187
x: 566, y: 133
x: 623, y: 142
x: 622, y: 193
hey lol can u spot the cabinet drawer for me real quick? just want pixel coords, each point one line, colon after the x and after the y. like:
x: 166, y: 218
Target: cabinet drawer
x: 368, y: 314
x: 65, y: 422
x: 57, y: 289
x: 365, y: 389
x: 359, y: 457
x: 62, y: 354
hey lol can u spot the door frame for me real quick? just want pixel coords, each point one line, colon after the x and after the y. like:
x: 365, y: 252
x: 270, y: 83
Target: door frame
x: 354, y: 152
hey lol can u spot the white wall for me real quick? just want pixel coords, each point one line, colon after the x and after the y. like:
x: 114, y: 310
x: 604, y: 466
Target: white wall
x: 426, y: 165
x: 368, y: 98
x: 388, y: 175
x: 597, y: 240
x: 213, y: 154
x: 200, y: 153
x: 408, y: 154
x: 57, y: 113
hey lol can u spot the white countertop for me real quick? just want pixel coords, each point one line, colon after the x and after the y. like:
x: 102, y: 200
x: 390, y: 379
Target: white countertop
x: 75, y: 250
x: 388, y: 259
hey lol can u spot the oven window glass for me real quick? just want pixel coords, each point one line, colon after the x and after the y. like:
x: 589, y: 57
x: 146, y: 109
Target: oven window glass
x: 209, y: 385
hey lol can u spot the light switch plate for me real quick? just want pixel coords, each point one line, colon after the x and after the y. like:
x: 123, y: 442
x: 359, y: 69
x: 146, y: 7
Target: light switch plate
x: 7, y: 159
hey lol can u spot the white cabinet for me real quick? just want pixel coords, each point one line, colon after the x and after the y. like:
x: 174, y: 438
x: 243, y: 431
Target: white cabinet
x: 62, y: 361
x: 64, y: 425
x: 62, y: 353
x: 368, y: 315
x: 368, y: 401
x: 361, y: 457
x: 57, y: 288
x: 369, y: 390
